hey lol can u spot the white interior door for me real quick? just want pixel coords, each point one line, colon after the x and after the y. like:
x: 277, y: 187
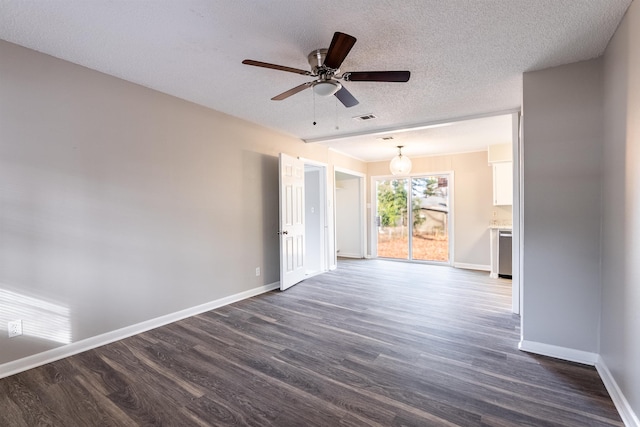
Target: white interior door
x: 292, y: 225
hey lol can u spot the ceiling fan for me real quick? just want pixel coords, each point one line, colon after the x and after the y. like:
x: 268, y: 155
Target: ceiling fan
x: 325, y: 65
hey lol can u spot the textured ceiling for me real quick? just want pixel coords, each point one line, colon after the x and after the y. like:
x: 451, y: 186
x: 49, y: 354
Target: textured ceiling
x: 466, y: 57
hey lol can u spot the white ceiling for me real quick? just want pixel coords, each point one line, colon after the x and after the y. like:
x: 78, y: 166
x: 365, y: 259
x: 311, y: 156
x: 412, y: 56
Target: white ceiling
x: 454, y: 137
x: 466, y: 57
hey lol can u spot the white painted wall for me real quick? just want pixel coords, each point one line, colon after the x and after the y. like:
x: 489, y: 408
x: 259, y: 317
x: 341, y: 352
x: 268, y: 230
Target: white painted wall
x: 562, y: 140
x: 620, y: 329
x: 348, y: 217
x: 314, y: 231
x: 120, y: 204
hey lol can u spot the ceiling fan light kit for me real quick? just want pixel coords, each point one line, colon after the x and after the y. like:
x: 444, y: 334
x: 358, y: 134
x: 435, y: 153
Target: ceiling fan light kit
x: 327, y: 88
x: 400, y: 165
x: 325, y: 65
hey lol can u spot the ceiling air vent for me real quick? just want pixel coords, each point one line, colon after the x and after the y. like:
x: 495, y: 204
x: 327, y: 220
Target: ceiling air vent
x: 365, y: 117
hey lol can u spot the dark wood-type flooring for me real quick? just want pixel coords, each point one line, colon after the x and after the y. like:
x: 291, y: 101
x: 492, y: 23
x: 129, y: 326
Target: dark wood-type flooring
x: 374, y: 343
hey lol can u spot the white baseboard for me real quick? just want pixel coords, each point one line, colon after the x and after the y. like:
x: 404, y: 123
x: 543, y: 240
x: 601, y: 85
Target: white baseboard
x: 348, y: 255
x: 29, y: 362
x: 564, y: 353
x: 625, y: 410
x: 480, y: 267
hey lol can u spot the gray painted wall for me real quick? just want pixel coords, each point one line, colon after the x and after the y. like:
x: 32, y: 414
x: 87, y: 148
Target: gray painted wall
x: 119, y: 204
x: 562, y: 139
x: 582, y: 193
x: 620, y: 330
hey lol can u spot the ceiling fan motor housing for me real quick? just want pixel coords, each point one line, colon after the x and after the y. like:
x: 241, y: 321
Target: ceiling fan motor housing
x: 316, y: 61
x: 325, y: 85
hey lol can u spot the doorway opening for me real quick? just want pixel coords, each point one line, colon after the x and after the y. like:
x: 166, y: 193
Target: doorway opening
x: 413, y: 219
x: 315, y: 218
x: 350, y: 219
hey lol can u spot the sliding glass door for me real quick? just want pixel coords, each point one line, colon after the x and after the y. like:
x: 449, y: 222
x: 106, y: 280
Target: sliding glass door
x: 412, y: 218
x: 430, y: 236
x: 393, y: 218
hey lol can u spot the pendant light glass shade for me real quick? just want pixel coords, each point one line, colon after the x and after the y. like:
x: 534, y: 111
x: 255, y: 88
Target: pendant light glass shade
x: 400, y: 165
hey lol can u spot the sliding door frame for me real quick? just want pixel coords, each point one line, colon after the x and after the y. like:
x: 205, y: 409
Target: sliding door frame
x: 374, y: 213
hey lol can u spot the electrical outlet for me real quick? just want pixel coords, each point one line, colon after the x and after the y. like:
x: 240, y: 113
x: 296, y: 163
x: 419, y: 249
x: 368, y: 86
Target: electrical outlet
x: 257, y: 271
x: 14, y: 328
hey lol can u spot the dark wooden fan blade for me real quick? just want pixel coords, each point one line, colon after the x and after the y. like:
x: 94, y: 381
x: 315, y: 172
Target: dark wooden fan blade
x: 276, y: 67
x: 346, y: 98
x: 339, y: 48
x: 290, y: 92
x: 377, y: 76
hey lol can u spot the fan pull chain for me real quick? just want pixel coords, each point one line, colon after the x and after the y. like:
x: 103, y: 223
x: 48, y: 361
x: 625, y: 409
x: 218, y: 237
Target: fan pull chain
x: 336, y: 109
x: 314, y: 107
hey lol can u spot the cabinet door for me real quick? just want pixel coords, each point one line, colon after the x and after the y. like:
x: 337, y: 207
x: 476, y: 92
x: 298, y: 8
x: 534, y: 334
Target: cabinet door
x: 502, y: 183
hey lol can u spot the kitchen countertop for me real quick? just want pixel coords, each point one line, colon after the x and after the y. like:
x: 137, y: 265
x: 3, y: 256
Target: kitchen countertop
x: 501, y: 226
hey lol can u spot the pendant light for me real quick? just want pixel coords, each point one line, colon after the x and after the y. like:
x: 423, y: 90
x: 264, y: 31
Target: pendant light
x: 400, y: 165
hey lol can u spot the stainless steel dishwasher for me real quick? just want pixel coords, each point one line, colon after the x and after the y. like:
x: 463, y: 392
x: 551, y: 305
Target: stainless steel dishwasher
x: 504, y: 254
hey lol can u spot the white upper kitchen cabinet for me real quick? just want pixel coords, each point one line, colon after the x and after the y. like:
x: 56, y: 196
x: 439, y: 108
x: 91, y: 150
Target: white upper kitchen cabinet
x: 502, y: 183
